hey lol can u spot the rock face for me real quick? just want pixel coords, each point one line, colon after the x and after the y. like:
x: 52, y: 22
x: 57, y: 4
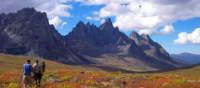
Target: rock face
x: 106, y: 45
x: 28, y: 32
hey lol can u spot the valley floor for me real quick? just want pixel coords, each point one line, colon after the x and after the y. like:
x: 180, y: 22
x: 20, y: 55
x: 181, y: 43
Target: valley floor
x: 66, y: 76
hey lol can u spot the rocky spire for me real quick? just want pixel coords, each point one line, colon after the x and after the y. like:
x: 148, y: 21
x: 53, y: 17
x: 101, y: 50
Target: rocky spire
x: 80, y: 25
x: 134, y: 35
x: 146, y: 37
x: 27, y: 11
x: 107, y: 25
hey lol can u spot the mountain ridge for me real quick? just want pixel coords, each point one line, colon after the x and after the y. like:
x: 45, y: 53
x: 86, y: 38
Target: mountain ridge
x: 28, y: 32
x: 106, y: 41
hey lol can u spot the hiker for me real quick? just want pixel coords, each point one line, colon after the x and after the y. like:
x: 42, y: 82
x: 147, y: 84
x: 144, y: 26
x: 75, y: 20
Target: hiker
x: 37, y: 71
x: 43, y: 67
x: 27, y: 70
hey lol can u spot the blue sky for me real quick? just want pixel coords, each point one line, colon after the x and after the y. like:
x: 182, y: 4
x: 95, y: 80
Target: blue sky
x: 181, y: 26
x: 175, y: 24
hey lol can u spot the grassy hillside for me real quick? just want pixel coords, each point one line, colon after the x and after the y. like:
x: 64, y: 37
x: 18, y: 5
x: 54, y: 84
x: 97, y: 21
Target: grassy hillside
x: 67, y: 76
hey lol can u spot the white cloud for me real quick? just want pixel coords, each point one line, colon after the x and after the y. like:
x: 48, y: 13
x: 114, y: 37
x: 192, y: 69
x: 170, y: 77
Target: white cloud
x: 167, y: 29
x: 194, y: 37
x: 184, y: 37
x: 89, y: 18
x: 93, y: 18
x: 56, y: 21
x: 146, y: 15
x: 55, y: 9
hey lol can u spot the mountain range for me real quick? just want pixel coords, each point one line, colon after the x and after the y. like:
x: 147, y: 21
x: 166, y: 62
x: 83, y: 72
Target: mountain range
x: 28, y: 32
x: 187, y: 58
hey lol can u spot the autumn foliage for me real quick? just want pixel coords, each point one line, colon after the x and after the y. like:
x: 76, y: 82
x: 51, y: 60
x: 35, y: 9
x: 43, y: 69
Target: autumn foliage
x: 65, y: 76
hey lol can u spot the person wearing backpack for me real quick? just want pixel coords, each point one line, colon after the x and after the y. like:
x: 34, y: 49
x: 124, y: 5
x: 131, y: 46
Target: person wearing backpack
x: 43, y: 65
x: 37, y: 71
x: 27, y: 70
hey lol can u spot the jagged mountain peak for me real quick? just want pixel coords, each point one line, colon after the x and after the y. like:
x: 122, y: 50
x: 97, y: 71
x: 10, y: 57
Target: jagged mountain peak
x: 134, y: 35
x: 80, y: 25
x: 27, y: 10
x: 82, y: 28
x: 88, y: 24
x: 108, y: 20
x: 107, y: 25
x: 139, y: 37
x: 146, y: 37
x: 28, y: 32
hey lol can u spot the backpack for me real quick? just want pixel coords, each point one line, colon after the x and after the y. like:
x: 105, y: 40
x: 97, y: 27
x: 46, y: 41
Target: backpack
x: 37, y: 69
x: 27, y: 68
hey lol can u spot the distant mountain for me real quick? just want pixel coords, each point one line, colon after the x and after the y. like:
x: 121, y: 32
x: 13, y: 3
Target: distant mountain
x: 106, y: 45
x: 28, y: 32
x: 187, y: 58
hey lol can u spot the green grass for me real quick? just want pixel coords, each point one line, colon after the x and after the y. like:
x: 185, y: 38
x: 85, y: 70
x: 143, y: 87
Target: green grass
x: 13, y: 63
